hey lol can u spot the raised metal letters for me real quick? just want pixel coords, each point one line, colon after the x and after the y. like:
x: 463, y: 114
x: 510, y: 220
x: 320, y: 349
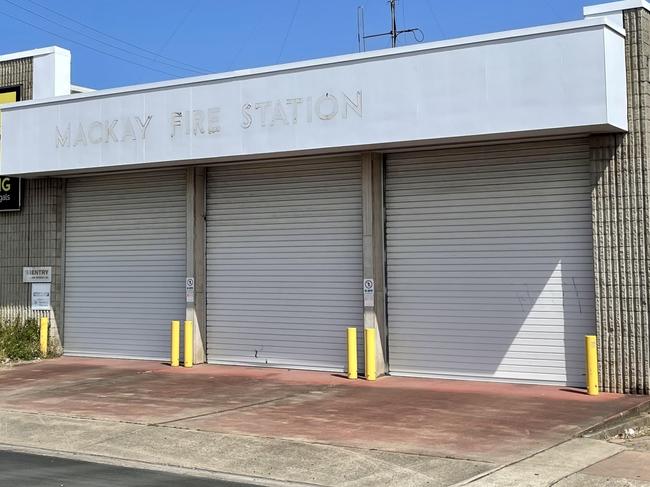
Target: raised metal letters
x: 271, y: 113
x: 199, y: 122
x: 103, y: 132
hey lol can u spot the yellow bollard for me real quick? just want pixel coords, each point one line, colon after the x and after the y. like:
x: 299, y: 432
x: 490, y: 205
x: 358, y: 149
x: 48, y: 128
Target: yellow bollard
x: 45, y: 322
x: 189, y: 343
x: 176, y: 343
x: 591, y: 359
x: 352, y: 353
x: 369, y: 339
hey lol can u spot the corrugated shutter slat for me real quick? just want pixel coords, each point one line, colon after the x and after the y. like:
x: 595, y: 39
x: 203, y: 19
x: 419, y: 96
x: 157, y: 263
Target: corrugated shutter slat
x: 489, y: 262
x: 125, y: 263
x: 284, y: 262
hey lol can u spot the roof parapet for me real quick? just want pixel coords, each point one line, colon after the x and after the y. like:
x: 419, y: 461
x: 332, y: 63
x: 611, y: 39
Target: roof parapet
x: 613, y: 11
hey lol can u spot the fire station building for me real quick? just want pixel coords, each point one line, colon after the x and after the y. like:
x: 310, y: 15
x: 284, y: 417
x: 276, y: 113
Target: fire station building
x: 483, y: 203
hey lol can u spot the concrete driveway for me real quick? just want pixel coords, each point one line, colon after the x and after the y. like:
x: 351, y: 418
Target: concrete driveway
x: 483, y: 424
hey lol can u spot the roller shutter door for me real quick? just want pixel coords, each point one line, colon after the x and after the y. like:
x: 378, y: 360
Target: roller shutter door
x: 284, y: 262
x: 124, y: 264
x: 489, y: 255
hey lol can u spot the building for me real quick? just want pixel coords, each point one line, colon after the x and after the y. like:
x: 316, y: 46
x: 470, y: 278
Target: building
x: 31, y: 219
x: 491, y: 191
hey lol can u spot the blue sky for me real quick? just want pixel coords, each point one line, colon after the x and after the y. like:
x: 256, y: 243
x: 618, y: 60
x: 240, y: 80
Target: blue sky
x: 164, y: 39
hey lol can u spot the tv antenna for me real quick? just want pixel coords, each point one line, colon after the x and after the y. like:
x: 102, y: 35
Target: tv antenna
x: 394, y: 32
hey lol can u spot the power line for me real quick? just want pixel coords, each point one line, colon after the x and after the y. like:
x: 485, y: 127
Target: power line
x: 87, y: 46
x: 554, y: 10
x: 175, y: 66
x: 89, y: 27
x: 435, y: 18
x: 286, y: 36
x: 241, y: 46
x: 178, y: 26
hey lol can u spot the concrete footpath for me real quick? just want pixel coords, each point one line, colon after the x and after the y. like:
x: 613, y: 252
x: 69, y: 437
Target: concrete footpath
x: 307, y: 428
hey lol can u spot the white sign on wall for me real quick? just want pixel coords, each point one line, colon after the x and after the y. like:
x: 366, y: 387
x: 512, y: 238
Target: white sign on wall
x: 566, y: 77
x: 189, y: 290
x: 41, y: 296
x: 368, y: 293
x: 37, y: 274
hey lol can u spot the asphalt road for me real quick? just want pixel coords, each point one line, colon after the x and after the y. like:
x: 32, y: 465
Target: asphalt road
x: 26, y: 470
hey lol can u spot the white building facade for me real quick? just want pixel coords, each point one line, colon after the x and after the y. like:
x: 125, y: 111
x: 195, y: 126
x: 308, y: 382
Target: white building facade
x: 467, y: 178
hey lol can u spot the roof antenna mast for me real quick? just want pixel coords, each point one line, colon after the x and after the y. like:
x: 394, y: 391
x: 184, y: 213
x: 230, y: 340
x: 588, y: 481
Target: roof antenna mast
x: 394, y: 32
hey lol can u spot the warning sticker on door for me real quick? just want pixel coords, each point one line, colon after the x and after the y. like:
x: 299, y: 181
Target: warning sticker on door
x: 368, y: 293
x: 189, y: 290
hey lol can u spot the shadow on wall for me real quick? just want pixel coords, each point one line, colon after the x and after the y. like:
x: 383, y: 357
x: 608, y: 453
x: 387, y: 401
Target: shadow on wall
x: 534, y: 331
x: 580, y: 319
x: 490, y: 264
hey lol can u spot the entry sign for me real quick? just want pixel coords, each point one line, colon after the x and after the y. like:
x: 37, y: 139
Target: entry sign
x: 189, y: 290
x: 368, y: 293
x: 41, y: 296
x: 10, y: 193
x: 37, y: 274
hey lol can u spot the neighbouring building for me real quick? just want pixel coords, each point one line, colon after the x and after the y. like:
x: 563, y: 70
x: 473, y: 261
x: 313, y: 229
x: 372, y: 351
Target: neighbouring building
x: 494, y: 189
x: 31, y: 209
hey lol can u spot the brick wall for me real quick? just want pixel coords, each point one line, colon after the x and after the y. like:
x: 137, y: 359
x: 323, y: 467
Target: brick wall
x: 18, y: 72
x: 32, y: 236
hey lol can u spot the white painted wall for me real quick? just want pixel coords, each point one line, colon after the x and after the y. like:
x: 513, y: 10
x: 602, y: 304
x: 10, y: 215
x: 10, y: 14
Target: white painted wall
x: 52, y: 74
x: 564, y: 78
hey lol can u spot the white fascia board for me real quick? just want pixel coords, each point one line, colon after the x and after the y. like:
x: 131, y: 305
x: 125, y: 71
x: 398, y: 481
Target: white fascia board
x: 344, y: 59
x: 541, y: 81
x: 613, y: 11
x: 616, y: 80
x: 604, y: 9
x: 31, y: 53
x: 80, y: 89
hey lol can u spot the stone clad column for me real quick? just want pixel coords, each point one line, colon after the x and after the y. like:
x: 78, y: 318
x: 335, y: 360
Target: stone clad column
x: 195, y: 211
x: 372, y: 177
x: 621, y: 227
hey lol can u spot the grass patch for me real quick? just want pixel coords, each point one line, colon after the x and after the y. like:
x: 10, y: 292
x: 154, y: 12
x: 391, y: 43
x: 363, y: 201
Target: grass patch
x: 19, y: 339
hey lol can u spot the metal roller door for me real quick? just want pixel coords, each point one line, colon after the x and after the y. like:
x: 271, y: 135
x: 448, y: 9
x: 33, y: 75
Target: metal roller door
x: 284, y: 262
x: 124, y: 264
x: 489, y: 255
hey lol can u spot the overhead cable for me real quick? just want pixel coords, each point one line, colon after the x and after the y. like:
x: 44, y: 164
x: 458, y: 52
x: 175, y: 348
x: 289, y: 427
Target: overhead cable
x: 92, y: 48
x: 89, y: 27
x: 108, y: 44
